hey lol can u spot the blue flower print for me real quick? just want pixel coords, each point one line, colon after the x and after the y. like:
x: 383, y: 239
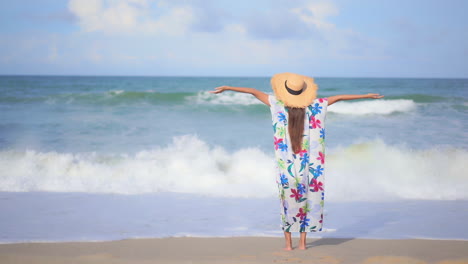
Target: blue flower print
x: 283, y: 179
x: 305, y: 160
x: 285, y: 207
x: 301, y: 188
x: 282, y: 146
x: 304, y: 222
x: 317, y: 171
x: 316, y: 109
x: 322, y: 133
x: 281, y: 117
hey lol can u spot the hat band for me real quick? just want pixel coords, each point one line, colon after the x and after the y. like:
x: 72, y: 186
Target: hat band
x: 293, y: 92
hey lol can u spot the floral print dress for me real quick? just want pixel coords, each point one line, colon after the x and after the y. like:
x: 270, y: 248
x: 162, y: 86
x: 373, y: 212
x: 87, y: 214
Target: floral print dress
x: 300, y: 177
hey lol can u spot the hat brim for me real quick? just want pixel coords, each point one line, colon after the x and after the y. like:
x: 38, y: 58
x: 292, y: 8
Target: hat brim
x: 302, y: 100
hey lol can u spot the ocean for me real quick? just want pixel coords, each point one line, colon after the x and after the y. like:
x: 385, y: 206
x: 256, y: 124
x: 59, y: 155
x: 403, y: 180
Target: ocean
x: 88, y: 158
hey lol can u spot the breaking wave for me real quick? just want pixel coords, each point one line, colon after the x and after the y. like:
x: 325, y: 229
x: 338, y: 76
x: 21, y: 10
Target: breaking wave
x: 367, y: 171
x: 383, y: 107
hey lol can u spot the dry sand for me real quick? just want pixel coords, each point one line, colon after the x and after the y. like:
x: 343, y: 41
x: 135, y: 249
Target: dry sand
x: 238, y: 250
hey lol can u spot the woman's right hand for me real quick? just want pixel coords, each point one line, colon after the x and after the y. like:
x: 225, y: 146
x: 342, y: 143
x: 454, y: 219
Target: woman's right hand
x: 374, y: 95
x: 220, y: 89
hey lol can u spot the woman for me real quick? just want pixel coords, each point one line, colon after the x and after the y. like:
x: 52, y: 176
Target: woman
x: 299, y: 137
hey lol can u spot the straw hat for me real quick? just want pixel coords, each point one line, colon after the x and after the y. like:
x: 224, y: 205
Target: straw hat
x: 294, y: 90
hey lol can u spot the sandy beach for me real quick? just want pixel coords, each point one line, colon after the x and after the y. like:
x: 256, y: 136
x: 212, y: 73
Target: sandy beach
x: 239, y: 250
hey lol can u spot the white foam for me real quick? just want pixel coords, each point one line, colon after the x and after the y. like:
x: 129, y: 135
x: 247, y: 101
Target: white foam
x: 367, y: 171
x: 115, y: 92
x: 226, y: 98
x: 374, y: 170
x: 188, y: 165
x: 380, y: 106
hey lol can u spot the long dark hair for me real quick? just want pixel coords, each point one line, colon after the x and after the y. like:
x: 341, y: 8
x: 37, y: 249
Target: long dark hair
x: 296, y: 127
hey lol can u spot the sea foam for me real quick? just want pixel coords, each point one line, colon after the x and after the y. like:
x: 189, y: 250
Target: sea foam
x: 226, y: 98
x: 380, y: 106
x: 368, y: 171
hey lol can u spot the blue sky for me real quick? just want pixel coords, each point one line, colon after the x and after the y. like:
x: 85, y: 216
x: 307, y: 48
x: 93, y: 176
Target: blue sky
x: 320, y: 38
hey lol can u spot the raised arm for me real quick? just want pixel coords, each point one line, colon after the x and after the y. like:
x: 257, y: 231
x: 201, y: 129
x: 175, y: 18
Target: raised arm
x: 336, y: 98
x: 263, y: 97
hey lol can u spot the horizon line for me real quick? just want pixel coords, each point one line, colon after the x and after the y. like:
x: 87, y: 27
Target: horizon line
x: 220, y: 76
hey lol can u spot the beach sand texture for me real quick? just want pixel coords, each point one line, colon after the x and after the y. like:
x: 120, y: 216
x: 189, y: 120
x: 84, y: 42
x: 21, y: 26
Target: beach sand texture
x: 239, y: 250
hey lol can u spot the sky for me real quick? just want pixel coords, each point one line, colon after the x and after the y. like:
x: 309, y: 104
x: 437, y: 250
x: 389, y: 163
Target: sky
x: 320, y: 38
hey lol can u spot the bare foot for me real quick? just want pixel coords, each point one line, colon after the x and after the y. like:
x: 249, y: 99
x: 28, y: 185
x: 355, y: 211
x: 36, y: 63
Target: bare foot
x: 288, y: 248
x: 302, y: 247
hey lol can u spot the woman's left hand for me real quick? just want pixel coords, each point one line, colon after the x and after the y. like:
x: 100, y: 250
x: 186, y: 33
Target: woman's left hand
x: 220, y: 89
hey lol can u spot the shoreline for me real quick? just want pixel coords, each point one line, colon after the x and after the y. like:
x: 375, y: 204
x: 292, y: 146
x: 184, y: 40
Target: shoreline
x: 238, y: 250
x: 294, y: 236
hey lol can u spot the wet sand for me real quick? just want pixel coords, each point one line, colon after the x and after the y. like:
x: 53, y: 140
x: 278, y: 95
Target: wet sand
x: 239, y: 250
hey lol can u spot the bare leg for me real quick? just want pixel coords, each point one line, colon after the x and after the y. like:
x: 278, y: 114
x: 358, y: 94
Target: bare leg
x: 302, y: 240
x: 287, y: 237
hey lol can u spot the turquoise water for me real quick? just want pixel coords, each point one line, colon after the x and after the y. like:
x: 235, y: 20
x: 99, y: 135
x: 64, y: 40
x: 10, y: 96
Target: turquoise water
x: 128, y: 114
x: 155, y: 135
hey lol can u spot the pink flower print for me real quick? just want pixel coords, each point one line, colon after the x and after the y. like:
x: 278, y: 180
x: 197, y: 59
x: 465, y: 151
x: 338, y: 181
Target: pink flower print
x: 314, y: 123
x: 295, y: 194
x: 302, y: 152
x: 321, y: 218
x: 278, y: 141
x: 316, y: 185
x: 321, y: 157
x: 321, y: 100
x: 301, y: 213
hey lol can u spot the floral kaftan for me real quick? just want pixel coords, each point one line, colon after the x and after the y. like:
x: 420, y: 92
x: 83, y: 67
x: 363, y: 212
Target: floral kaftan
x: 300, y: 177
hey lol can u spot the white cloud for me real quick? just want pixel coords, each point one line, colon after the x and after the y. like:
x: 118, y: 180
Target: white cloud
x: 342, y: 43
x: 315, y: 13
x: 176, y: 22
x: 130, y: 17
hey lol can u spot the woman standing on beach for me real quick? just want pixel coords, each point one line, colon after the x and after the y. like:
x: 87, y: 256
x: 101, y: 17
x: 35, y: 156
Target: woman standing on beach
x: 299, y: 138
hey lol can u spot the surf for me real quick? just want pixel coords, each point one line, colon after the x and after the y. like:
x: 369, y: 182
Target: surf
x: 366, y: 171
